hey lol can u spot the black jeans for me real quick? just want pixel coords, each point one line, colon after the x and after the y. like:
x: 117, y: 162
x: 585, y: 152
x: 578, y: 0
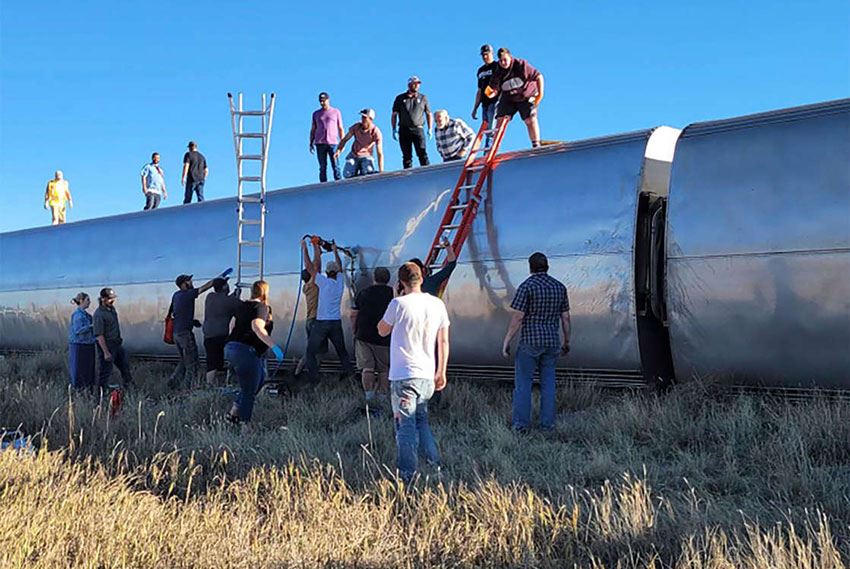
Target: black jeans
x: 152, y: 200
x: 322, y: 331
x: 194, y: 188
x: 411, y: 138
x: 119, y: 359
x: 186, y: 372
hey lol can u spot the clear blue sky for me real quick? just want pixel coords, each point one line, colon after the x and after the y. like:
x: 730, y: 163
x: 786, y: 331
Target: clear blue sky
x: 92, y: 88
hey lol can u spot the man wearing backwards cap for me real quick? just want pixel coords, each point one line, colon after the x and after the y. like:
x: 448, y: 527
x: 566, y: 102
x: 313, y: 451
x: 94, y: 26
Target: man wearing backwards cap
x: 367, y: 136
x: 324, y: 136
x: 183, y: 310
x: 488, y: 104
x: 107, y: 331
x: 410, y: 110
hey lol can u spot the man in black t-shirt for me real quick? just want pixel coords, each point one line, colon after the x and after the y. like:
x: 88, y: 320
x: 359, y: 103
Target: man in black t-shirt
x: 370, y: 348
x: 488, y: 104
x: 410, y: 111
x: 195, y: 173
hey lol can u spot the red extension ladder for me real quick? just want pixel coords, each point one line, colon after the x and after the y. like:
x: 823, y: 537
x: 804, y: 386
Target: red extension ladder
x: 466, y: 196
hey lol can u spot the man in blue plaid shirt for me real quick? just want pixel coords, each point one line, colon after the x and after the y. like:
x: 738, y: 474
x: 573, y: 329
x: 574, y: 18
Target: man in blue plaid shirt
x: 454, y: 137
x: 541, y: 304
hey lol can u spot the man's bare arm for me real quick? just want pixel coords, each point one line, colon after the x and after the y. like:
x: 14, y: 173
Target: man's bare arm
x: 442, y: 358
x: 513, y: 328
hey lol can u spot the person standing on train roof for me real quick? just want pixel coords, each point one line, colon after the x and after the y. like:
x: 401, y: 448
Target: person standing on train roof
x: 183, y: 309
x: 488, y: 104
x: 325, y: 133
x: 418, y: 326
x: 81, y: 344
x: 520, y: 88
x: 541, y: 303
x: 328, y: 325
x: 56, y: 195
x: 153, y: 183
x: 219, y: 309
x: 410, y: 112
x: 195, y: 173
x: 110, y: 344
x: 454, y: 137
x: 367, y: 139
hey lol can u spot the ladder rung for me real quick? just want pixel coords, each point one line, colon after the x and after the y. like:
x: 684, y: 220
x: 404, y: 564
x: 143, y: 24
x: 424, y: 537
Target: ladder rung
x: 441, y: 246
x: 467, y: 187
x: 250, y: 113
x: 249, y: 244
x: 459, y: 206
x: 250, y: 221
x: 251, y: 157
x: 436, y: 266
x: 476, y: 167
x: 250, y: 179
x: 249, y: 264
x: 246, y: 199
x: 451, y: 226
x: 251, y: 135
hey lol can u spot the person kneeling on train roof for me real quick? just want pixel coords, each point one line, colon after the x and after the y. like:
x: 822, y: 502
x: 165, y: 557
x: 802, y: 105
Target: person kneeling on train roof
x: 371, y: 350
x: 110, y: 349
x: 454, y: 137
x: 219, y: 309
x: 183, y: 310
x: 250, y: 338
x: 81, y: 344
x: 328, y: 325
x: 367, y: 137
x: 541, y: 303
x: 520, y: 88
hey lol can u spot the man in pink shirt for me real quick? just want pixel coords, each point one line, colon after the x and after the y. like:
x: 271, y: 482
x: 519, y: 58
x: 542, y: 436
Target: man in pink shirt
x: 367, y: 138
x: 324, y: 136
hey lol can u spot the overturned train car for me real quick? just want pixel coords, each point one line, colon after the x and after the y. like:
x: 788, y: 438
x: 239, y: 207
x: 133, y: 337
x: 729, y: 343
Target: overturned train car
x: 742, y: 256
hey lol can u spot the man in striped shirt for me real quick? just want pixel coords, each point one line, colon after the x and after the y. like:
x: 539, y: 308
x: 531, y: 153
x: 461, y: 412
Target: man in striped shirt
x: 454, y: 137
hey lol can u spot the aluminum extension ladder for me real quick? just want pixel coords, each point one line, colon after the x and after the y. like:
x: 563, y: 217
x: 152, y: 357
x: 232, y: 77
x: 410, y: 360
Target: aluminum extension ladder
x: 466, y: 196
x: 251, y: 144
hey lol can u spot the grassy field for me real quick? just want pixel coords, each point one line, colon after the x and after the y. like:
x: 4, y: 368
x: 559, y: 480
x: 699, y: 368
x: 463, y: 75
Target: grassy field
x: 687, y: 480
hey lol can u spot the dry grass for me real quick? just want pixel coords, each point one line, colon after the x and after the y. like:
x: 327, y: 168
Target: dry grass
x: 685, y: 480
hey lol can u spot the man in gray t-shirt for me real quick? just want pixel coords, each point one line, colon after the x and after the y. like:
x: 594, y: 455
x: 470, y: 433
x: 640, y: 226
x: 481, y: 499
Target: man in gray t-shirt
x: 107, y: 331
x: 219, y: 308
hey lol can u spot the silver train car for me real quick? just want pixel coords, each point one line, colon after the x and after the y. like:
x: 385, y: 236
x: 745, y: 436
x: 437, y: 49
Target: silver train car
x: 714, y: 269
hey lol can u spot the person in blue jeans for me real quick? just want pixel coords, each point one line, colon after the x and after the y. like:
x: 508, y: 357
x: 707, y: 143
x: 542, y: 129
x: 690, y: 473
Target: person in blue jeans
x: 246, y: 348
x: 325, y: 134
x: 418, y: 325
x: 81, y: 344
x: 541, y: 304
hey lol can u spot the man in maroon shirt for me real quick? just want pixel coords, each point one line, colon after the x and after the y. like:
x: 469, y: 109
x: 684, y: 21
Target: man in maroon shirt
x: 520, y: 88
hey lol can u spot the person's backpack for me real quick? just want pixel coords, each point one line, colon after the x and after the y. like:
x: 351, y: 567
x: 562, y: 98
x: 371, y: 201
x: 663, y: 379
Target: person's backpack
x: 168, y: 332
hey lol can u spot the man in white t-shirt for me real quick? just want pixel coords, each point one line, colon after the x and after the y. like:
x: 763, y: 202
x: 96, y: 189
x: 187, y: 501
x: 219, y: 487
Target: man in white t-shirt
x: 419, y: 324
x: 328, y: 325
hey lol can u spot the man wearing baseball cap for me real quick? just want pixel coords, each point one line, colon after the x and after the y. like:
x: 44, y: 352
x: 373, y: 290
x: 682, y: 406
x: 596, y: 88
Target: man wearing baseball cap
x: 183, y: 310
x: 324, y: 136
x: 488, y: 104
x: 410, y: 111
x: 110, y: 349
x: 367, y: 137
x: 195, y: 173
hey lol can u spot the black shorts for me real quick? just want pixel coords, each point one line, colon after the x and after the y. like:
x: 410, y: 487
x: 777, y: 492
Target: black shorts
x: 509, y: 108
x: 215, y: 352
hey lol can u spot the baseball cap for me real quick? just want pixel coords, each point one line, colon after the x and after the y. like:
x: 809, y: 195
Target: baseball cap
x: 107, y: 293
x: 367, y: 112
x: 219, y: 282
x: 182, y: 279
x: 486, y: 48
x: 323, y: 95
x: 414, y: 79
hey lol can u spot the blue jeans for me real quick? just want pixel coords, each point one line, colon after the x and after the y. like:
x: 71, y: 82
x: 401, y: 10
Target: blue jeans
x: 81, y: 364
x: 358, y: 166
x: 325, y: 152
x: 152, y: 200
x: 320, y: 332
x: 119, y: 359
x: 488, y: 112
x: 530, y: 359
x: 196, y: 188
x: 413, y: 435
x: 250, y: 370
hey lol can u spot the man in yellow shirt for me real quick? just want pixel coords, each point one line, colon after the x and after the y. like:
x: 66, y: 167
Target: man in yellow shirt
x: 55, y: 196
